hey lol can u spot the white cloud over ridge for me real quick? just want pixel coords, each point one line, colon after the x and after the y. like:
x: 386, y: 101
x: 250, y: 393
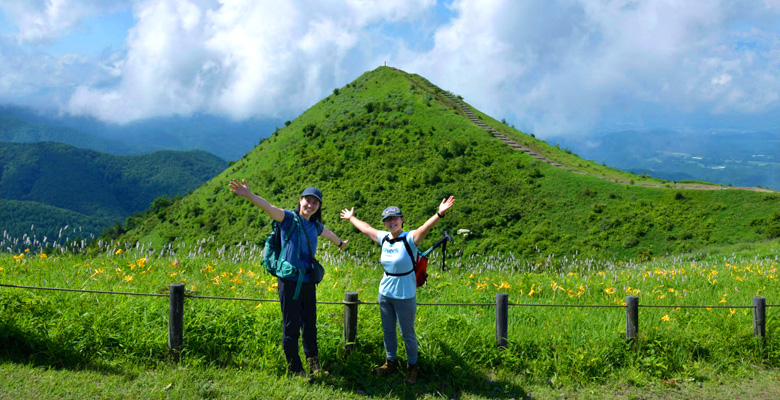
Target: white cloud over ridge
x: 553, y: 67
x: 558, y: 67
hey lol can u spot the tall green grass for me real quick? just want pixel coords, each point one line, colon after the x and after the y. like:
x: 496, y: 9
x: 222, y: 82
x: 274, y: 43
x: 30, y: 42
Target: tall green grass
x: 457, y: 343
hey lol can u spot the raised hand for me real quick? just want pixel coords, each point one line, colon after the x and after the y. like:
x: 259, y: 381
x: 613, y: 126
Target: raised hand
x: 446, y: 204
x: 239, y: 188
x: 347, y: 214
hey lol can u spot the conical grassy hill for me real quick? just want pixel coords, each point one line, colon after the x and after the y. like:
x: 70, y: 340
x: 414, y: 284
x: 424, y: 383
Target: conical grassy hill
x: 393, y: 138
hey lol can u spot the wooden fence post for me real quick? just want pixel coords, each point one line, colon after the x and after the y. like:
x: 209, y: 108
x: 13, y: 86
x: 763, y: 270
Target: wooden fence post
x: 175, y: 320
x: 350, y: 321
x: 759, y: 317
x: 502, y: 313
x: 632, y: 317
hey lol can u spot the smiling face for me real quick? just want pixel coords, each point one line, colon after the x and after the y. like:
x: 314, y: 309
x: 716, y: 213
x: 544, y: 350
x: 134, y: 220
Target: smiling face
x: 394, y: 225
x: 309, y: 206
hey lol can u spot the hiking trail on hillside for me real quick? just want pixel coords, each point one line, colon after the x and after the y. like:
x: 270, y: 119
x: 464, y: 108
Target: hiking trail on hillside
x: 466, y: 111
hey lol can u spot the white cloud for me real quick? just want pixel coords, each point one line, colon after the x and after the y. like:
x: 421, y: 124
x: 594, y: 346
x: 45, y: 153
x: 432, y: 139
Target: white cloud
x: 42, y: 20
x: 560, y: 66
x: 239, y: 58
x: 552, y: 67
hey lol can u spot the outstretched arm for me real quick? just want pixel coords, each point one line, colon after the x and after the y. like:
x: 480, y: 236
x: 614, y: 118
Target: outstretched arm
x: 423, y: 230
x: 327, y: 234
x: 242, y: 189
x: 364, y: 227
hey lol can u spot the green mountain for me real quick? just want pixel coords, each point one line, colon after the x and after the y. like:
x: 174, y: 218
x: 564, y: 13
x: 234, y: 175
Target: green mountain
x: 393, y: 138
x: 45, y: 186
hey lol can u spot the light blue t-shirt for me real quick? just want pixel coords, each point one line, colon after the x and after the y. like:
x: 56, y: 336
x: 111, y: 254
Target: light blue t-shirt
x: 395, y: 260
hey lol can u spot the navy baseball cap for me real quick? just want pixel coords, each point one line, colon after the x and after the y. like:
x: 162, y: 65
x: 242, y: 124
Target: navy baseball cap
x: 391, y: 211
x: 312, y: 191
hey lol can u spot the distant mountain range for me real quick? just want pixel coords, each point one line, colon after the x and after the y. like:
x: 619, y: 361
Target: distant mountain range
x: 47, y: 186
x: 227, y: 139
x: 728, y: 158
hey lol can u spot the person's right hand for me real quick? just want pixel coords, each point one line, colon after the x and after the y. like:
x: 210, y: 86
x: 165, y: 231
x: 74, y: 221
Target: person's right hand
x: 347, y: 214
x: 239, y: 188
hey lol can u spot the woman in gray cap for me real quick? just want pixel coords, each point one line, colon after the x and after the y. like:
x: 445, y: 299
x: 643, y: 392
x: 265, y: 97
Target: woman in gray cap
x: 397, y: 289
x: 299, y: 316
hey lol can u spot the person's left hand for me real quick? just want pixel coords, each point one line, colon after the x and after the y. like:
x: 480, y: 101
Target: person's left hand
x: 347, y: 214
x: 446, y: 204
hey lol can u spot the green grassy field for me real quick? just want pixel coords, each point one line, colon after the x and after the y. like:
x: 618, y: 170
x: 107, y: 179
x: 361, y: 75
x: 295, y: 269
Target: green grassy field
x: 115, y: 346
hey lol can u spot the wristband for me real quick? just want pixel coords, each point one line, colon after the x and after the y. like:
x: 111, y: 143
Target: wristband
x: 341, y: 243
x: 439, y: 214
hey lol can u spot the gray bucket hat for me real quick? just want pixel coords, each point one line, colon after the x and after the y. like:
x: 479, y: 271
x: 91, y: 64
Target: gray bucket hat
x: 391, y: 211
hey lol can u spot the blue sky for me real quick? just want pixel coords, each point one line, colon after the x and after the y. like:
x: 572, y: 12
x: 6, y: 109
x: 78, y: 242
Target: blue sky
x: 554, y: 67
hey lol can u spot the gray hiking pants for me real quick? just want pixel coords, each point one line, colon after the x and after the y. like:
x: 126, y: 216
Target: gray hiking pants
x: 401, y: 311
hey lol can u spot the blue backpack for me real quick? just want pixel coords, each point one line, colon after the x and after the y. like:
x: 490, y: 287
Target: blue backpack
x: 273, y: 255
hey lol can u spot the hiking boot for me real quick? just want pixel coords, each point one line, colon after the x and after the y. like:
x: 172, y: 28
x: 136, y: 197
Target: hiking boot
x: 412, y: 373
x: 389, y: 367
x: 314, y: 366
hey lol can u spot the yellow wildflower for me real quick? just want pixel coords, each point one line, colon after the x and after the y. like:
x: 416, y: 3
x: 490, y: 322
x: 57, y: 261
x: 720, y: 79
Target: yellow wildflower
x: 43, y: 255
x: 666, y: 318
x: 610, y: 290
x: 128, y: 278
x: 503, y: 285
x: 141, y: 262
x: 118, y: 251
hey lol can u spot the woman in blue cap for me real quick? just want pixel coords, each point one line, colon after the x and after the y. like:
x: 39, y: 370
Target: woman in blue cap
x: 299, y: 316
x: 397, y: 289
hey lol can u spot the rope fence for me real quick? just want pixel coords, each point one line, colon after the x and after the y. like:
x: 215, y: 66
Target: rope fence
x: 351, y: 302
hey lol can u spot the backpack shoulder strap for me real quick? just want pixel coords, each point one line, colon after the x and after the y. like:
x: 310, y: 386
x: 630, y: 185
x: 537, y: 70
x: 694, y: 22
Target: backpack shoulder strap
x: 401, y: 237
x: 409, y: 251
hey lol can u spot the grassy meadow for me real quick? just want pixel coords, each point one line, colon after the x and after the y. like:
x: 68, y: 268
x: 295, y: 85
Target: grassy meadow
x: 121, y: 340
